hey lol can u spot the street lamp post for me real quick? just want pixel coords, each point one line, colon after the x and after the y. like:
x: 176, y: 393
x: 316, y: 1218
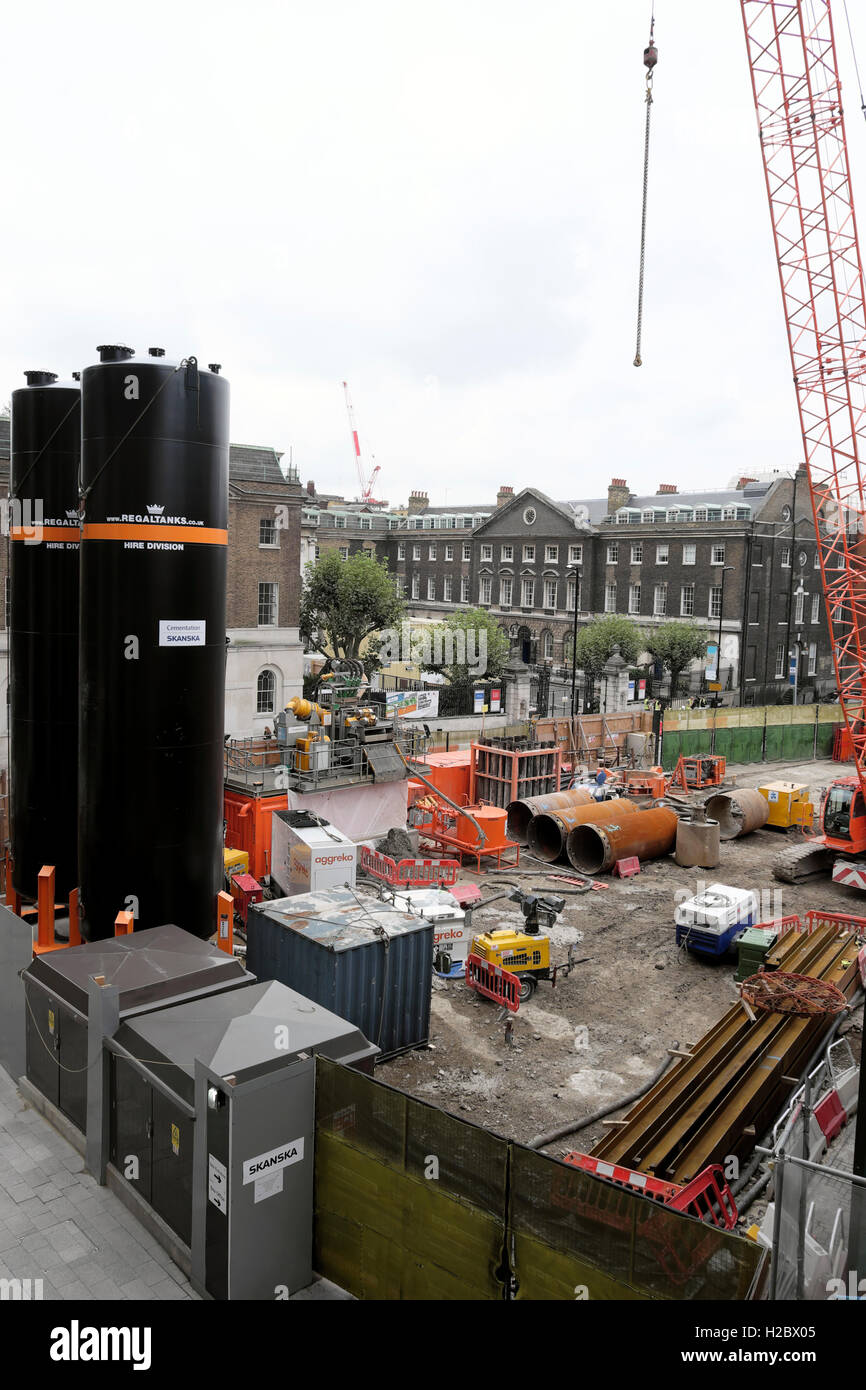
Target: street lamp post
x: 574, y: 641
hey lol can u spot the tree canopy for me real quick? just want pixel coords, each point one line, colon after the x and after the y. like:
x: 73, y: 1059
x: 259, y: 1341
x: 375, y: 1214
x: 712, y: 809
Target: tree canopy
x: 675, y: 645
x: 596, y: 641
x: 470, y: 645
x: 344, y: 601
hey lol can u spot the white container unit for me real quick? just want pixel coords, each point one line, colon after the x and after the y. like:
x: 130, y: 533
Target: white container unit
x: 451, y: 931
x: 308, y: 856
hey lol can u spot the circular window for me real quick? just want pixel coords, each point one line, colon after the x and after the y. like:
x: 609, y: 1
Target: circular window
x: 529, y: 516
x: 786, y: 513
x: 803, y: 557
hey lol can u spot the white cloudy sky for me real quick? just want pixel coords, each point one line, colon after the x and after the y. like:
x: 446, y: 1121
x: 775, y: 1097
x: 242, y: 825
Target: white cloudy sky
x: 438, y: 202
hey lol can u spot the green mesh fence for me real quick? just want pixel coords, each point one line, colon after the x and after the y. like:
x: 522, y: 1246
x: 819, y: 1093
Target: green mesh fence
x: 413, y: 1203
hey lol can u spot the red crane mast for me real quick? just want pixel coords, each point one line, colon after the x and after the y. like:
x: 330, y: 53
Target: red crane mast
x: 798, y: 99
x: 366, y: 486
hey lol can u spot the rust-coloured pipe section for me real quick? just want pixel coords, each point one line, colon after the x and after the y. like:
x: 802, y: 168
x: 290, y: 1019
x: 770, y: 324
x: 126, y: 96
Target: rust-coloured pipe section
x: 549, y: 833
x: 520, y: 813
x: 738, y: 813
x: 592, y: 849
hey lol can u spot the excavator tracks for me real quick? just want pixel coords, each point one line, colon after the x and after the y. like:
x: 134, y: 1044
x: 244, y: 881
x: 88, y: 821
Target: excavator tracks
x: 798, y: 863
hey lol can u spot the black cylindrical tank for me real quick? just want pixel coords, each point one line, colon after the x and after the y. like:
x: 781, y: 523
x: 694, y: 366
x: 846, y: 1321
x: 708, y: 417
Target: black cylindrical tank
x: 155, y: 448
x: 43, y: 630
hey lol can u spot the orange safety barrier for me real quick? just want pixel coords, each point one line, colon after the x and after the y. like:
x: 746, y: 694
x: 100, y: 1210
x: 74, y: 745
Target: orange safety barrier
x: 409, y: 873
x: 831, y: 1115
x: 656, y: 1188
x: 785, y: 924
x: 491, y: 980
x: 709, y: 1198
x: 843, y: 920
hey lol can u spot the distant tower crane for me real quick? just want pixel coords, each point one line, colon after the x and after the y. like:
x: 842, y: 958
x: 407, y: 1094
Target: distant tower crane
x: 367, y: 485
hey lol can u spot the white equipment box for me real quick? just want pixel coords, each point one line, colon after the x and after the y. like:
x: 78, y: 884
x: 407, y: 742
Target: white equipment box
x: 718, y: 907
x: 308, y: 856
x: 451, y: 932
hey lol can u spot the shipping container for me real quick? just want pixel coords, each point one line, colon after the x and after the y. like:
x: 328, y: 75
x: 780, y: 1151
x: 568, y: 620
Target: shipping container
x: 360, y: 958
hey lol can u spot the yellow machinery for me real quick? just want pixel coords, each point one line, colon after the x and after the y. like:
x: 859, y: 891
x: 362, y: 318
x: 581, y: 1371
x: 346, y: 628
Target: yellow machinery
x: 235, y: 861
x: 304, y: 748
x: 789, y: 804
x: 525, y: 953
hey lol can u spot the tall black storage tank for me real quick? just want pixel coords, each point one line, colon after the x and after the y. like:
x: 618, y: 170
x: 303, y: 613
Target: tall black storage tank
x: 43, y: 630
x: 155, y: 448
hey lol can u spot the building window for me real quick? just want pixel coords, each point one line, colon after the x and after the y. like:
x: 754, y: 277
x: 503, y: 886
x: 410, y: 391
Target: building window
x: 799, y: 605
x: 610, y: 598
x: 416, y: 552
x: 634, y: 598
x: 715, y: 610
x: 547, y: 646
x: 467, y: 550
x: 487, y: 552
x: 431, y: 587
x: 612, y: 552
x: 268, y: 531
x: 637, y: 553
x: 718, y: 555
x: 689, y: 553
x: 431, y: 552
x: 758, y: 553
x: 751, y: 663
x: 786, y: 557
x: 550, y: 593
x: 507, y: 553
x: 780, y: 661
x: 366, y: 523
x: 401, y: 550
x: 486, y: 588
x: 505, y: 592
x: 468, y: 523
x: 266, y: 690
x: 754, y: 606
x: 816, y: 563
x: 575, y: 554
x: 527, y: 596
x: 662, y: 554
x: 570, y: 595
x: 449, y: 552
x: 267, y: 605
x: 416, y: 586
x: 464, y: 589
x: 660, y: 600
x: 816, y: 604
x: 687, y: 601
x: 447, y: 588
x: 341, y: 522
x: 813, y: 658
x: 529, y: 554
x: 344, y: 552
x: 551, y: 555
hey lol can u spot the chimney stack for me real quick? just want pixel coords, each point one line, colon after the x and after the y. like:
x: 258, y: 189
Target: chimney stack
x: 666, y: 489
x: 418, y: 502
x: 505, y: 494
x: 311, y: 488
x: 741, y: 482
x: 617, y: 494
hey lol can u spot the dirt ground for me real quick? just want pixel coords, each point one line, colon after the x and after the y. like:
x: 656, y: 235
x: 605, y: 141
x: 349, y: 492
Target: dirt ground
x: 603, y: 1031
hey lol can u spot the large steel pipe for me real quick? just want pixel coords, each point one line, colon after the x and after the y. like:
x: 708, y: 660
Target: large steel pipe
x: 548, y: 833
x: 738, y: 813
x: 592, y: 849
x: 520, y: 813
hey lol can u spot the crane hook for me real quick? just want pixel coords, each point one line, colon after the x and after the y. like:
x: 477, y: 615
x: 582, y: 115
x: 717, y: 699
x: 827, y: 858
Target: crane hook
x: 650, y: 58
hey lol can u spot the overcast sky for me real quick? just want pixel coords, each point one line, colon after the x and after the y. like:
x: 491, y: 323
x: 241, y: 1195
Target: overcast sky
x: 438, y: 203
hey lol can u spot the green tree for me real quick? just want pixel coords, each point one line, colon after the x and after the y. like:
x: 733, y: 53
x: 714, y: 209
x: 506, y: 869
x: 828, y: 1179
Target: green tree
x: 675, y: 646
x: 596, y: 641
x: 470, y: 646
x: 344, y: 601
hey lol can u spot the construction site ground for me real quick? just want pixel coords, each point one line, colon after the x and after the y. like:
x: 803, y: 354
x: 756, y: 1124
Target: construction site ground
x: 604, y: 1030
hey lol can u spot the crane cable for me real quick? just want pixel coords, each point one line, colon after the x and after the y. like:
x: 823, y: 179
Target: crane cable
x: 650, y: 58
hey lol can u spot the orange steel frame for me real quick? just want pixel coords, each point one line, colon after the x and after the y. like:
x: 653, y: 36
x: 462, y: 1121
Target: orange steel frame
x: 798, y: 99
